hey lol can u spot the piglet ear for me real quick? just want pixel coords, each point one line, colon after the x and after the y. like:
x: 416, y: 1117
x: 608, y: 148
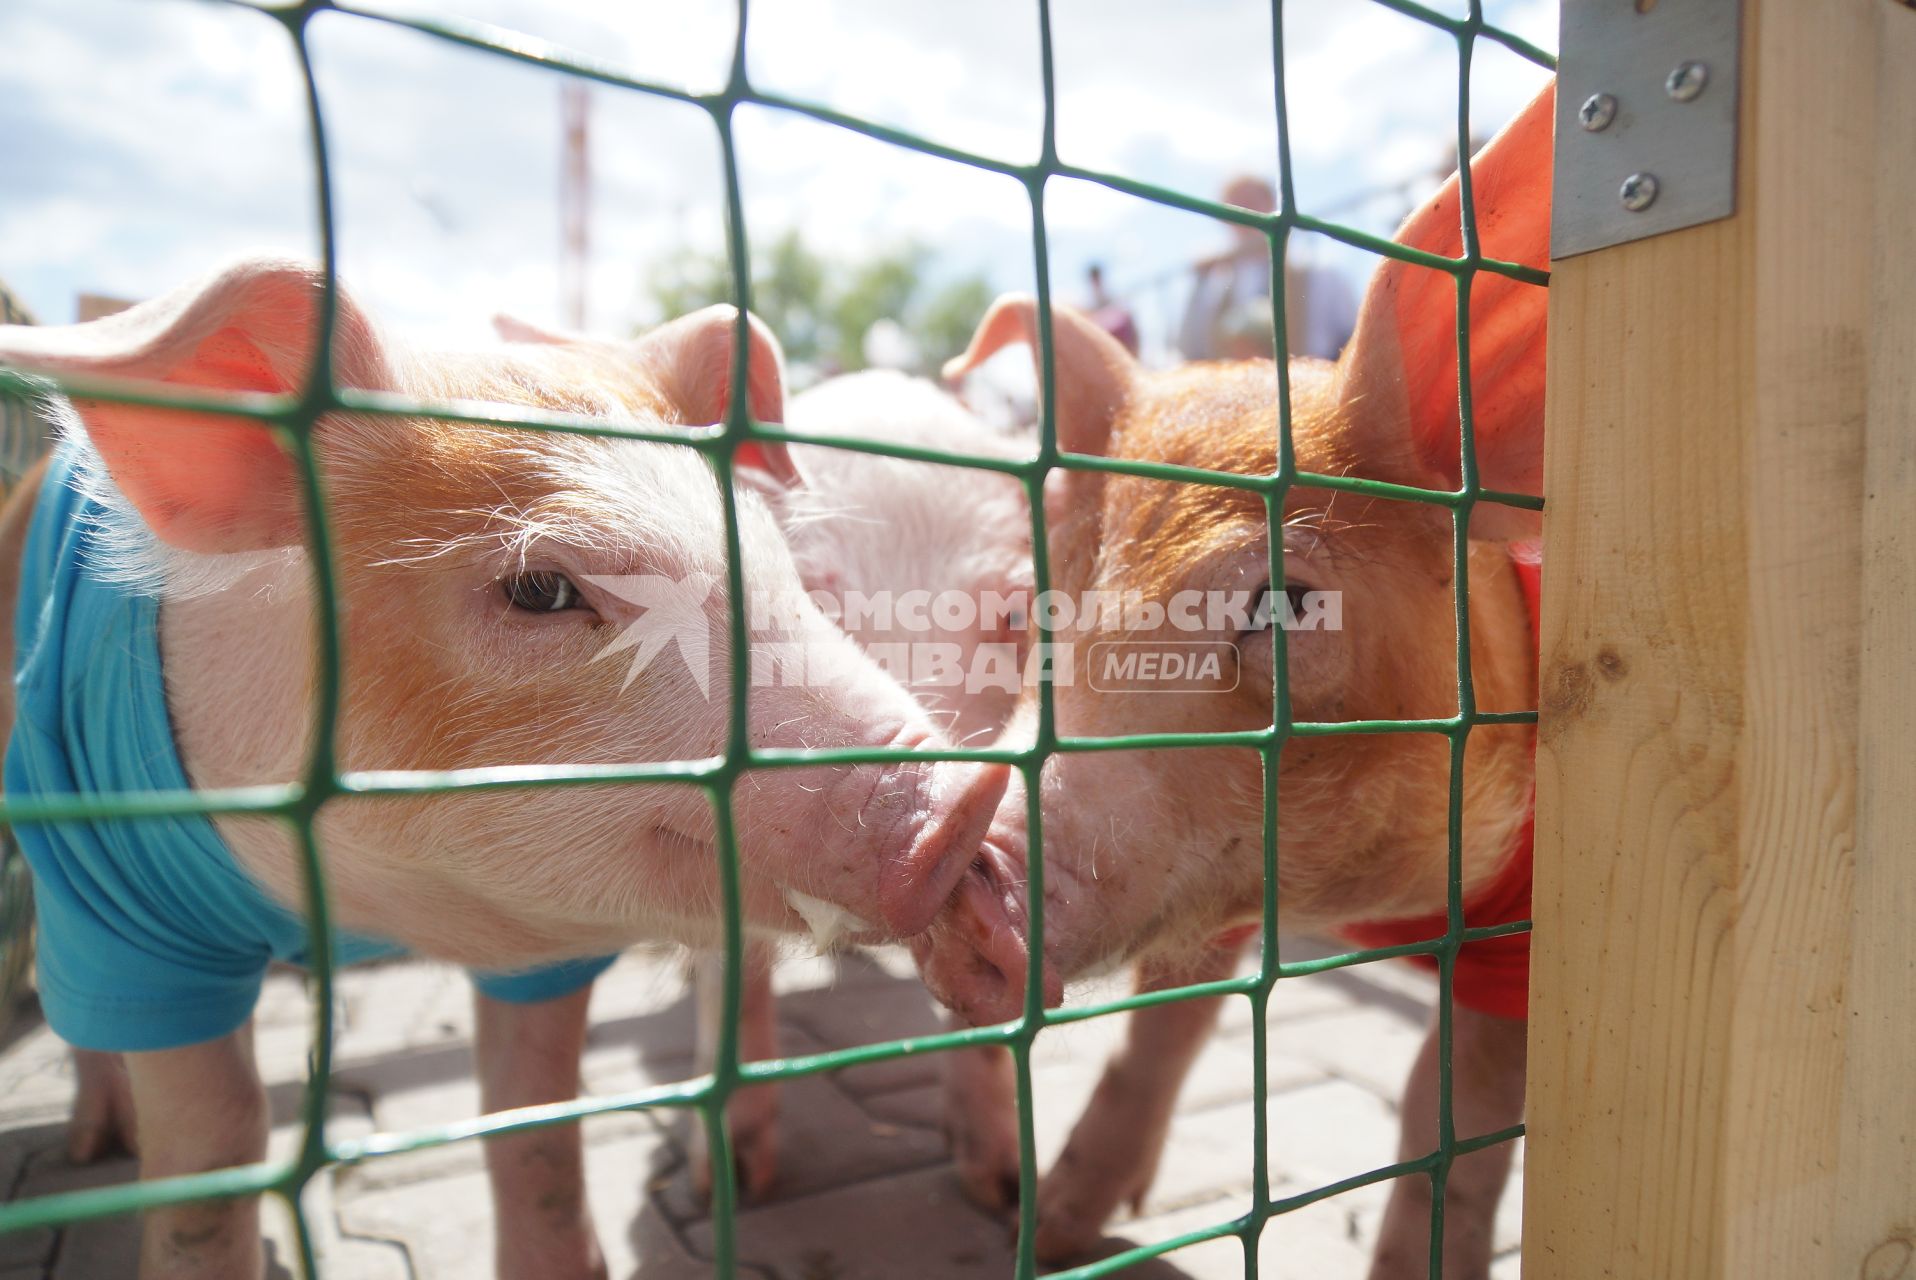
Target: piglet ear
x: 207, y: 482
x: 1095, y: 374
x: 766, y: 465
x: 691, y: 359
x: 1399, y: 373
x: 513, y: 329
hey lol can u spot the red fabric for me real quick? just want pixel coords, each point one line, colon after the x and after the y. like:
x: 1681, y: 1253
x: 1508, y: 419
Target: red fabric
x: 1492, y: 975
x: 750, y: 454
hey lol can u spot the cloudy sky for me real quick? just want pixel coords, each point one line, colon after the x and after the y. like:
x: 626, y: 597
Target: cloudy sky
x: 143, y: 142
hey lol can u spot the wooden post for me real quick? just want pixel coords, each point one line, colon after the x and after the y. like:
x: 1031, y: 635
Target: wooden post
x: 1723, y: 1030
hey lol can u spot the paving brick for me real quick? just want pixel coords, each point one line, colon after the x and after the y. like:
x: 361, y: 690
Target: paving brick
x: 1385, y: 984
x: 916, y: 1224
x: 445, y: 1224
x: 1509, y: 1227
x: 615, y: 1068
x: 1209, y: 1148
x: 1221, y: 1259
x: 1206, y: 1161
x: 467, y: 1155
x: 644, y: 982
x: 347, y: 1118
x: 283, y: 1030
x: 104, y: 1247
x: 1374, y: 982
x: 96, y: 1248
x: 920, y: 1108
x: 1326, y: 1132
x: 846, y: 970
x: 1319, y: 1242
x: 1066, y: 1062
x: 19, y: 1147
x: 1068, y: 1059
x: 1367, y: 1047
x: 825, y: 1141
x: 1325, y: 1239
x: 338, y: 1257
x: 871, y: 1012
x: 284, y: 1000
x: 100, y: 1247
x: 404, y: 1005
x: 109, y: 1248
x: 36, y: 1073
x: 1207, y: 1157
x: 26, y: 1248
x: 400, y: 1005
x: 1222, y: 1074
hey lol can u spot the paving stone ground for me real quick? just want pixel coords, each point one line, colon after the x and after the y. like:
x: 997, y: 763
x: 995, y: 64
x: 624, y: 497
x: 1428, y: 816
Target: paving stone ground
x: 866, y: 1191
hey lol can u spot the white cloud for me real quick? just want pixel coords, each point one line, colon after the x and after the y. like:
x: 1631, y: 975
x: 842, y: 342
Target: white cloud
x: 143, y: 141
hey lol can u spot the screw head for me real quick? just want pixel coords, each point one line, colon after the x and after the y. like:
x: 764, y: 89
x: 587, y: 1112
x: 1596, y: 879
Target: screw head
x: 1596, y: 112
x: 1638, y: 192
x: 1686, y: 81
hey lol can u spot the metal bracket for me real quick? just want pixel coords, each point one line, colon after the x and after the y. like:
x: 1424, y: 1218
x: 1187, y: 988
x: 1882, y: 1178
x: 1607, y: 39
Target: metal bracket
x: 1646, y: 120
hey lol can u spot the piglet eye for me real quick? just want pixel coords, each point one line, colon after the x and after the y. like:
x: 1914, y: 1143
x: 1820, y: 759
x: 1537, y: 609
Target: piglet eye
x: 544, y: 591
x: 1294, y: 594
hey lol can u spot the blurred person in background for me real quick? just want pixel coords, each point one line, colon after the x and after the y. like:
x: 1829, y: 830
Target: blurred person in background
x: 1228, y: 313
x: 1107, y: 312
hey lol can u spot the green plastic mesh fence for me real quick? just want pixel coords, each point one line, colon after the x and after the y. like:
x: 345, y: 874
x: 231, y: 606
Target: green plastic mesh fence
x: 296, y: 803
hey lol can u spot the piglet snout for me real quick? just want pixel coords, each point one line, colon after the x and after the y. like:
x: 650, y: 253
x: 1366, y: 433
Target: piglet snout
x: 975, y: 958
x: 959, y: 801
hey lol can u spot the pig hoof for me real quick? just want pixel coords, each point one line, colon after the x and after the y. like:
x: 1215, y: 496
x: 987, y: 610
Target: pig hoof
x: 1077, y: 1198
x: 981, y: 1126
x: 989, y: 1179
x: 102, y: 1122
x: 752, y: 1119
x: 987, y: 1161
x: 1061, y: 1242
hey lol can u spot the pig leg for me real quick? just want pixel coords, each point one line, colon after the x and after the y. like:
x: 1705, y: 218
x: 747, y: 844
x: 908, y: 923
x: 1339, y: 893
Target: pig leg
x: 751, y: 1116
x: 981, y: 1123
x: 1112, y: 1155
x: 529, y: 1054
x: 199, y: 1108
x: 1487, y: 1073
x: 102, y: 1121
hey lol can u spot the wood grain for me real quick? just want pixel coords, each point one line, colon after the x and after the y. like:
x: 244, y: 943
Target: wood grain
x: 1723, y: 1030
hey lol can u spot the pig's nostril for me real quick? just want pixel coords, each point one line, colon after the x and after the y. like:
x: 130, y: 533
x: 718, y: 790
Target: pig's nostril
x: 979, y: 871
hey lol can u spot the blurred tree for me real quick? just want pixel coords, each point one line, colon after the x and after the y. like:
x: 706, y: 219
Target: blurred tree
x: 821, y: 308
x: 948, y: 317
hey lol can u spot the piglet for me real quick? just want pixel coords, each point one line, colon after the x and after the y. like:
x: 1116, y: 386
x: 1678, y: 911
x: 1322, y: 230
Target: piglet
x: 928, y: 567
x: 1156, y: 856
x: 507, y: 597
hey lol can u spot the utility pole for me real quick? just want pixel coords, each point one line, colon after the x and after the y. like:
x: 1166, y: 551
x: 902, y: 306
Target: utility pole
x: 575, y: 202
